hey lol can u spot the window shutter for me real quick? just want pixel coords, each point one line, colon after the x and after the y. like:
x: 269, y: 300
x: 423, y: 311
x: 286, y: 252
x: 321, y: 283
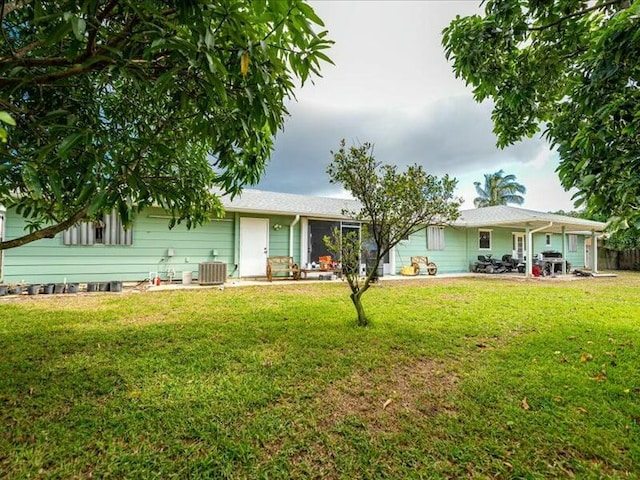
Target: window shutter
x: 435, y: 238
x: 114, y: 232
x: 83, y: 233
x: 80, y: 234
x: 573, y: 243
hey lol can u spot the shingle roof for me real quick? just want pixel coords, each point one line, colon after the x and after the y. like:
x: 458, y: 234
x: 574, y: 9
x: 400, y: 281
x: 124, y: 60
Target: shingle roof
x: 260, y: 201
x: 505, y: 215
x: 289, y: 204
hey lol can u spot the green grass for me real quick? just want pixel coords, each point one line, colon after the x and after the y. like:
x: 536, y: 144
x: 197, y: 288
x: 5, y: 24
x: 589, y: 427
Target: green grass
x: 278, y: 382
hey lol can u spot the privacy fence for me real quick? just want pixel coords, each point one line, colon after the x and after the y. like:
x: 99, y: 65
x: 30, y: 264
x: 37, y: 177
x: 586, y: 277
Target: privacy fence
x: 619, y: 259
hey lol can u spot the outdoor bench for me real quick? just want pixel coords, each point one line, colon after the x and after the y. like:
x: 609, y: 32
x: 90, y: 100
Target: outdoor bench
x: 282, y: 264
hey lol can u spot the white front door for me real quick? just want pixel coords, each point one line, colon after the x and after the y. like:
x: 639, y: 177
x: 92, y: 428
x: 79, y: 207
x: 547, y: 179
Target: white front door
x: 519, y: 246
x: 254, y: 246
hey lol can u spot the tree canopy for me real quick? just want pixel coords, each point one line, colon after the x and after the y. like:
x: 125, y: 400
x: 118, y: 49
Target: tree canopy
x: 572, y: 67
x: 498, y: 189
x: 123, y: 104
x: 393, y: 205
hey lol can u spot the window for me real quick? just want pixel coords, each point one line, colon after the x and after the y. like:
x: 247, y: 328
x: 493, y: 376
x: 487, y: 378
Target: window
x: 573, y: 242
x: 98, y: 232
x: 548, y: 240
x: 108, y: 231
x: 484, y: 239
x: 435, y: 238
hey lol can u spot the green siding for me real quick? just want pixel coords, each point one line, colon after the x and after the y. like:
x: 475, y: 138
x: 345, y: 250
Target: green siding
x: 450, y: 260
x: 501, y: 244
x: 576, y: 259
x: 49, y: 260
x: 278, y: 238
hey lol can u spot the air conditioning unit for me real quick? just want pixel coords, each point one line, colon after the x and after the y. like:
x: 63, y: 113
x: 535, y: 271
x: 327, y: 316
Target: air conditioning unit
x: 212, y: 273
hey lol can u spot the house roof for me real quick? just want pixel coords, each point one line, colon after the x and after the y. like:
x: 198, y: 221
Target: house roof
x: 503, y: 215
x: 289, y: 204
x: 260, y: 201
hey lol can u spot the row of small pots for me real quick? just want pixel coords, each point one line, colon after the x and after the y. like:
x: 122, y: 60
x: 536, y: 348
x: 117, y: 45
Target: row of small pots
x: 51, y: 288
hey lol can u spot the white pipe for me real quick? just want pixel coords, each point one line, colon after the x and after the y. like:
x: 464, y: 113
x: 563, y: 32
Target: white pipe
x: 529, y: 263
x: 293, y: 224
x: 594, y: 253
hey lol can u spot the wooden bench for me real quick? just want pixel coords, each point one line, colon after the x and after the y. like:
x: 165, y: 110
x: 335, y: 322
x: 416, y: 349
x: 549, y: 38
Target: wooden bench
x: 282, y: 264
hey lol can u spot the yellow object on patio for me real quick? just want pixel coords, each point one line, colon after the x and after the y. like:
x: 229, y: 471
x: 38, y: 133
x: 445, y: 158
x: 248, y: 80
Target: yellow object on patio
x: 408, y: 271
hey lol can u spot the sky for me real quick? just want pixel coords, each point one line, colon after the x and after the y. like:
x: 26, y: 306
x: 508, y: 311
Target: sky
x: 392, y: 86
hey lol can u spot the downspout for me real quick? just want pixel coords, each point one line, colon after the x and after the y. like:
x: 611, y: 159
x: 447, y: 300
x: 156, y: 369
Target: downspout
x: 529, y: 263
x: 293, y: 224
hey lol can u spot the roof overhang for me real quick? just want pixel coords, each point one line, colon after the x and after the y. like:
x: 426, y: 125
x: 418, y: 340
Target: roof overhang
x: 549, y: 226
x: 281, y: 213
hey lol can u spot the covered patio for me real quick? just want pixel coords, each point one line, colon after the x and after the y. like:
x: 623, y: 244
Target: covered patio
x: 527, y: 225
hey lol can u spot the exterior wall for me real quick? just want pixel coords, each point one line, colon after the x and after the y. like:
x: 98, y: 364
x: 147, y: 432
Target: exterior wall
x: 49, y: 260
x: 462, y: 249
x: 278, y: 237
x: 450, y: 260
x: 576, y: 259
x: 501, y: 244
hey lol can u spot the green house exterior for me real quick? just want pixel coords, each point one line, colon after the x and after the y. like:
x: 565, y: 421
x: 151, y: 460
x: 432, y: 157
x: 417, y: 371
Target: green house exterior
x: 260, y: 224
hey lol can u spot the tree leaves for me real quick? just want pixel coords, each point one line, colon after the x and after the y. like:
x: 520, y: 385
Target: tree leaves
x: 393, y: 205
x: 5, y: 118
x: 122, y: 105
x: 572, y: 67
x: 498, y: 189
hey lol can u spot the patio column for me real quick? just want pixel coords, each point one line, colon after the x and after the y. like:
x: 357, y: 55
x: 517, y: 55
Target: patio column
x: 594, y: 252
x: 528, y: 265
x: 564, y: 251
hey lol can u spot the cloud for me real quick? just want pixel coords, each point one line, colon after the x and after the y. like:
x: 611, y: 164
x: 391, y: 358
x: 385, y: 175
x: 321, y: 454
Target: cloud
x: 452, y: 135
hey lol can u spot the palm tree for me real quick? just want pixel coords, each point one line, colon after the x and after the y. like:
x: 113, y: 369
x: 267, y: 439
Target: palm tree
x: 498, y: 189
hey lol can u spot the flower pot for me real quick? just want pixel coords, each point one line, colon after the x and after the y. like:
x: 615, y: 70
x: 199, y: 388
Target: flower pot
x: 48, y: 288
x: 4, y: 290
x: 71, y: 288
x: 16, y: 290
x: 58, y: 288
x: 33, y: 289
x: 103, y: 287
x: 92, y: 286
x: 115, y: 286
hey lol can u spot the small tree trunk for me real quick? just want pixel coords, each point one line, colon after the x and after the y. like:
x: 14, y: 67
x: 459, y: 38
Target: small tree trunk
x: 363, y: 321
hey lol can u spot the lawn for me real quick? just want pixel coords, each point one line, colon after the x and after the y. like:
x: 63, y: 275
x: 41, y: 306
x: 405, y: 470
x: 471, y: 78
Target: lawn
x: 474, y: 378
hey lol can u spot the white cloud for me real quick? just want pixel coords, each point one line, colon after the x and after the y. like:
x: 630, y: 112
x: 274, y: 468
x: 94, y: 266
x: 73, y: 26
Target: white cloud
x: 392, y: 86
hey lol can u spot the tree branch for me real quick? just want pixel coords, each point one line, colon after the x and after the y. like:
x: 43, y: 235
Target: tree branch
x: 7, y: 8
x: 95, y: 26
x: 574, y: 14
x: 48, y: 232
x: 35, y: 62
